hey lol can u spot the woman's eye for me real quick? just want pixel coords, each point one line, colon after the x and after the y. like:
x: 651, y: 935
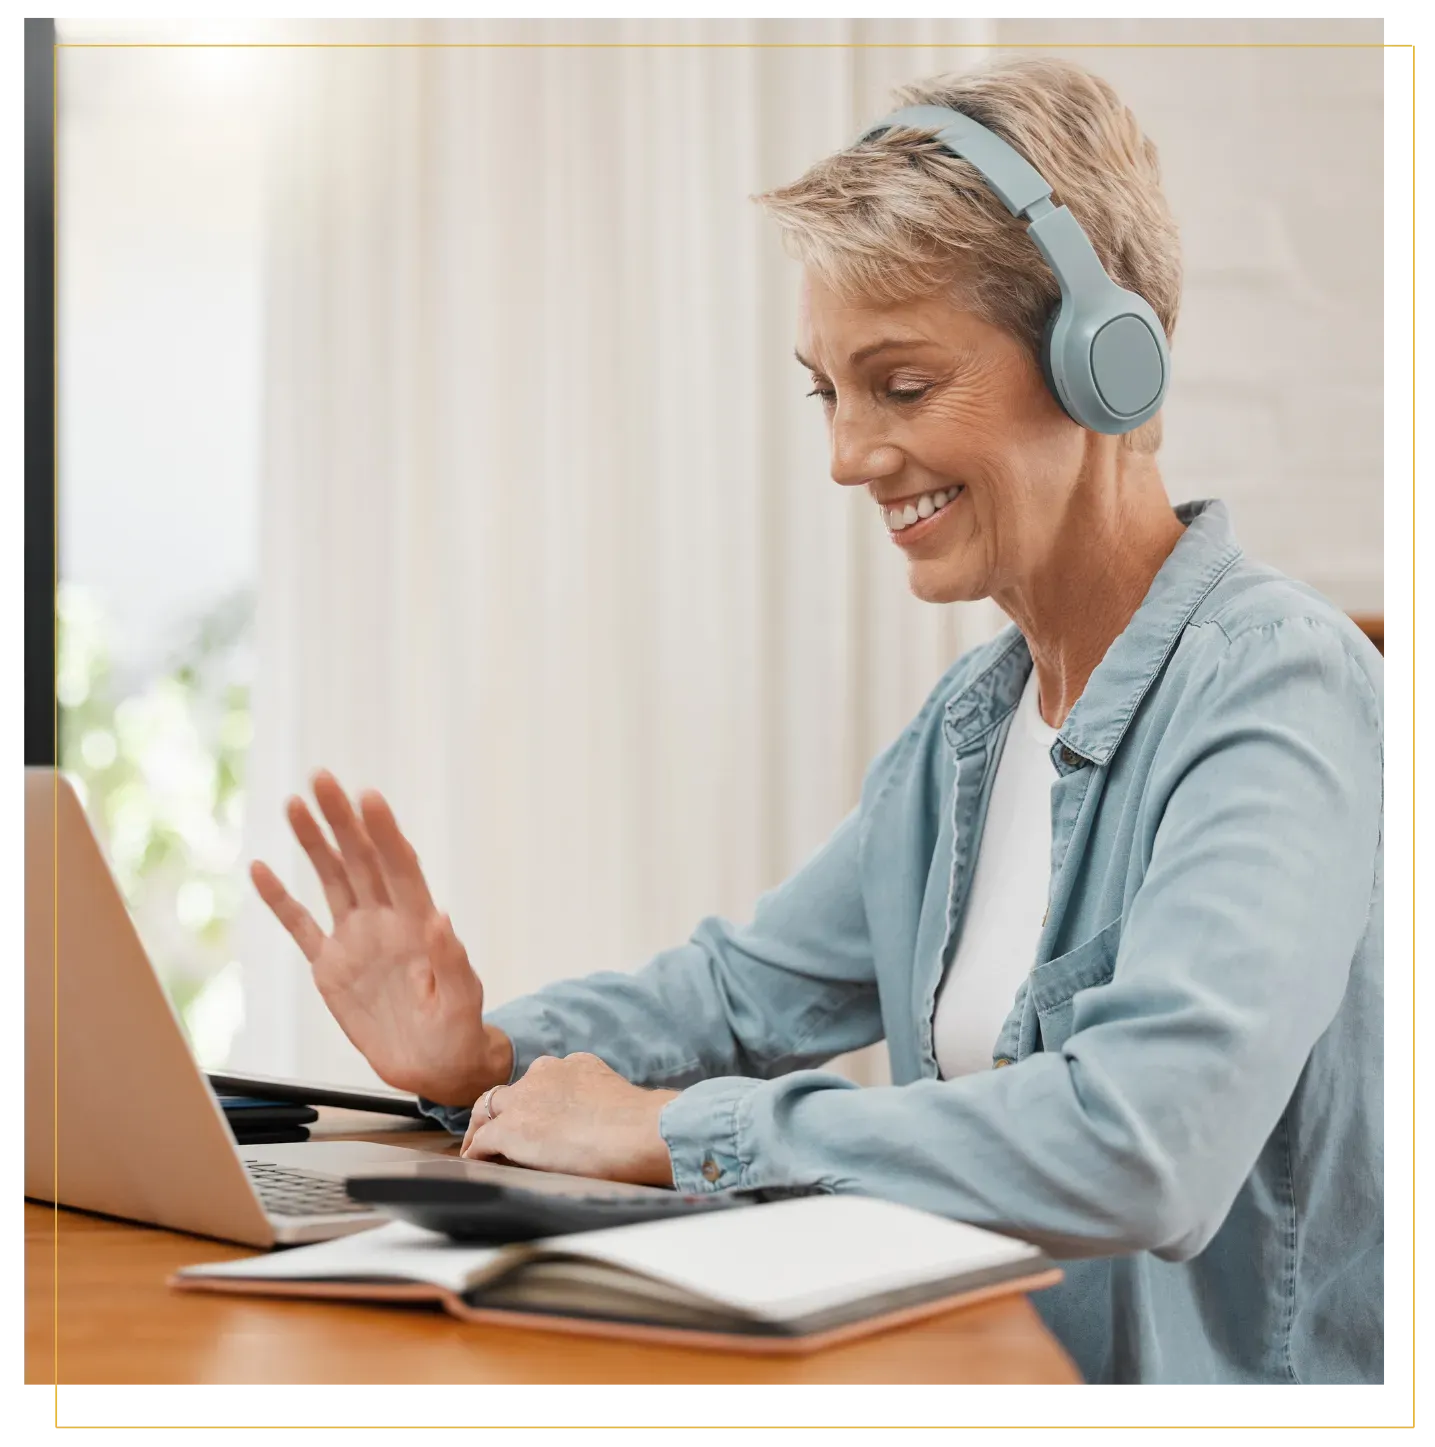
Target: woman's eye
x: 897, y: 394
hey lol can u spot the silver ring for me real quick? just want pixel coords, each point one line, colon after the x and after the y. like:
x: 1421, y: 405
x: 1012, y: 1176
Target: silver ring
x: 485, y: 1100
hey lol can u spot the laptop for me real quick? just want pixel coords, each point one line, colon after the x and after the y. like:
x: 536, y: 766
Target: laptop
x: 118, y: 1116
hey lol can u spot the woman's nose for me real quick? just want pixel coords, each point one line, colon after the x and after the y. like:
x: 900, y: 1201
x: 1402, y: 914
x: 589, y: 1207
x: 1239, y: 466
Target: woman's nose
x: 859, y: 452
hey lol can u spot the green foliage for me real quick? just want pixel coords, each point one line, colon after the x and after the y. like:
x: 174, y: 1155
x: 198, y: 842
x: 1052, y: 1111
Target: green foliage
x: 160, y: 769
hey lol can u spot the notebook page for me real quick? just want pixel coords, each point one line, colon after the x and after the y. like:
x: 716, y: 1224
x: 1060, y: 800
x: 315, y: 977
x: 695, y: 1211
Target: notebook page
x: 788, y: 1258
x: 398, y: 1251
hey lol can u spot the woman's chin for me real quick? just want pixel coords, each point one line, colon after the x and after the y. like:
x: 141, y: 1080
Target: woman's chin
x: 944, y: 580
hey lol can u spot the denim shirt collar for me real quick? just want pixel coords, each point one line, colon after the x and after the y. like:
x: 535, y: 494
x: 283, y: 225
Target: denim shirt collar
x: 1099, y: 718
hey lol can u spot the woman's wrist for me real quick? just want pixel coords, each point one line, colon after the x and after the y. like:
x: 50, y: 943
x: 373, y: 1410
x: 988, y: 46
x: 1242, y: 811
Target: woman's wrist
x: 655, y: 1167
x: 494, y: 1066
x: 499, y: 1055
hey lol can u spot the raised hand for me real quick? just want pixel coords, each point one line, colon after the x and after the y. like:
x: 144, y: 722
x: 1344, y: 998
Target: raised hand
x: 391, y: 971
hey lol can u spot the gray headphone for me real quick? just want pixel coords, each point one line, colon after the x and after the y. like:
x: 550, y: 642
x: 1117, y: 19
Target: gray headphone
x: 1104, y: 351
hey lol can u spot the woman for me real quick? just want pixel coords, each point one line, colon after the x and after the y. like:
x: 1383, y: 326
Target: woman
x: 1130, y: 850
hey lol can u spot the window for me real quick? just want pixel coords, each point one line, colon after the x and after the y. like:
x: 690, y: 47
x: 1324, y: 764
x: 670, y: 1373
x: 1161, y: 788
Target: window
x: 158, y: 251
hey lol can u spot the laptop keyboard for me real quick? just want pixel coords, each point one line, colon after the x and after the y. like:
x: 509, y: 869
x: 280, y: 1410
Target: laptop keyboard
x: 284, y: 1191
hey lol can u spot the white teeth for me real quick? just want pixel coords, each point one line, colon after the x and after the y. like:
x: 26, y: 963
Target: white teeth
x: 898, y: 518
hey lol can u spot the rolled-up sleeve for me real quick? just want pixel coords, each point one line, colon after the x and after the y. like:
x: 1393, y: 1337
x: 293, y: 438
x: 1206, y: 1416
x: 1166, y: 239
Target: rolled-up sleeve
x: 1235, y: 948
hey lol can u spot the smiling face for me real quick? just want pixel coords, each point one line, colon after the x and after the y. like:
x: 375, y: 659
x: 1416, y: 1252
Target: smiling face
x: 947, y: 422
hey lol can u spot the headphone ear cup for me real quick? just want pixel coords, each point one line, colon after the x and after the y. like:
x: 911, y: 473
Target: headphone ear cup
x: 1044, y: 355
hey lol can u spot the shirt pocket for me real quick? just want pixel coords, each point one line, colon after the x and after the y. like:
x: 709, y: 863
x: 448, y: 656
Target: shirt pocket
x: 1055, y: 985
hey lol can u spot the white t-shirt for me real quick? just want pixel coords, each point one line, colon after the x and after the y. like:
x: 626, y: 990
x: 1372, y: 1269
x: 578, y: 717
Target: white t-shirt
x: 1009, y: 887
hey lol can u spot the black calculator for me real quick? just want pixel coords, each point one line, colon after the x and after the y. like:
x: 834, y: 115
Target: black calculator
x: 494, y: 1212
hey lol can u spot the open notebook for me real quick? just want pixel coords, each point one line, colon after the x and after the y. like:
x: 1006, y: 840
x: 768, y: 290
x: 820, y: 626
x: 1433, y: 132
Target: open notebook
x: 792, y: 1275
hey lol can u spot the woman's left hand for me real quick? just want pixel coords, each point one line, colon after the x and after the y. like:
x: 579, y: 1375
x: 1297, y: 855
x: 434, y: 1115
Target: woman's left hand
x: 575, y: 1115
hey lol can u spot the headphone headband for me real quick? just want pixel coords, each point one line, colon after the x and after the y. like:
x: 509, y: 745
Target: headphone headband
x: 1104, y: 352
x: 1014, y: 179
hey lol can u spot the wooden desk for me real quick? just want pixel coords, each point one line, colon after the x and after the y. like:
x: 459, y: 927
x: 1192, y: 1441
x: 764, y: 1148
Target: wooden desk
x: 1373, y: 626
x: 119, y: 1322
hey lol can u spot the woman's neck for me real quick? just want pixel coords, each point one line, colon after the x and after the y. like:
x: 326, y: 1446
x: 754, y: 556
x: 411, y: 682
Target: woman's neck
x: 1111, y: 542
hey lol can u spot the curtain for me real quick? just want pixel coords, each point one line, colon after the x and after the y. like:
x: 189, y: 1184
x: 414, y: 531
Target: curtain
x: 550, y: 553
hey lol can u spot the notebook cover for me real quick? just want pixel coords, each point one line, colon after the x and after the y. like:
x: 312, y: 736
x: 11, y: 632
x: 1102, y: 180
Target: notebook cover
x: 623, y: 1330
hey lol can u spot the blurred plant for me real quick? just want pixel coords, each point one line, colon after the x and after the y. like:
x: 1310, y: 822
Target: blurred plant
x: 160, y: 769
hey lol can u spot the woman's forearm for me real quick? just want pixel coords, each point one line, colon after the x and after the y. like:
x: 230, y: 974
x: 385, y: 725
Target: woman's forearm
x: 792, y: 988
x: 709, y: 1007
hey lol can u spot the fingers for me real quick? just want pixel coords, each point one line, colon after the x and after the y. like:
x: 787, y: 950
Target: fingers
x: 327, y: 864
x: 481, y: 1144
x: 481, y: 1116
x: 290, y: 913
x: 361, y: 859
x: 398, y: 857
x: 477, y: 1117
x: 490, y: 1140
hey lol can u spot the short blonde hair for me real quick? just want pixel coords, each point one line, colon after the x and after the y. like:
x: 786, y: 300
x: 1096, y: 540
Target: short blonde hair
x: 899, y: 218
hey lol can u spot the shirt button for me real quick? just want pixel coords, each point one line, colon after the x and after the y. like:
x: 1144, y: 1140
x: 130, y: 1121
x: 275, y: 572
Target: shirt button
x: 711, y: 1170
x: 1070, y: 757
x: 997, y: 1064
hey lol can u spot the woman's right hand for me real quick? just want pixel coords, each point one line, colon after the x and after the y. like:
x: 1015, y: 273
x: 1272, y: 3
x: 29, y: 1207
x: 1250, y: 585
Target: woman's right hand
x: 392, y: 971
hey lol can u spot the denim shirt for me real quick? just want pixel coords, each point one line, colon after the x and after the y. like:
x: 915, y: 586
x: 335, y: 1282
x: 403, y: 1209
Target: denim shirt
x: 1185, y: 1103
